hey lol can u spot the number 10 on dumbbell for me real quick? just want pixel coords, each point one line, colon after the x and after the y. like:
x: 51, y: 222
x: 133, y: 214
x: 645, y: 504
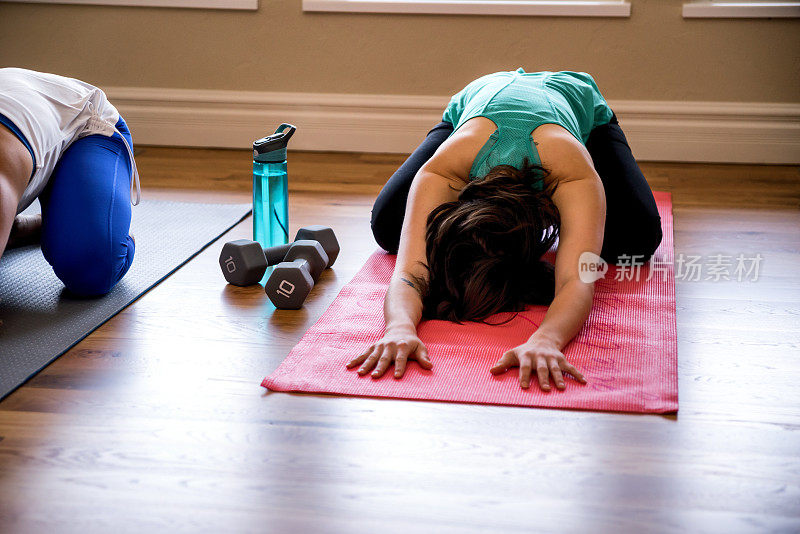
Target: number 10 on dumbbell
x: 298, y: 265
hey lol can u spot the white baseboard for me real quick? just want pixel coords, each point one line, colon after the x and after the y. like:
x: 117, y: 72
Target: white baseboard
x: 656, y: 131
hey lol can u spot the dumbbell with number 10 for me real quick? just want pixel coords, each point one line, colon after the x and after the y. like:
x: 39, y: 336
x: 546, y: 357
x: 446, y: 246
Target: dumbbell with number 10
x: 293, y: 279
x: 300, y: 264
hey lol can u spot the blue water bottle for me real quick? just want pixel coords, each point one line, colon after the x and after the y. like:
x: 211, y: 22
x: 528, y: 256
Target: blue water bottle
x: 270, y: 188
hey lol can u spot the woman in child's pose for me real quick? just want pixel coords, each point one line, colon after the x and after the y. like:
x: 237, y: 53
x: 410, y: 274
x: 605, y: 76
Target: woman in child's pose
x: 61, y: 141
x: 519, y: 160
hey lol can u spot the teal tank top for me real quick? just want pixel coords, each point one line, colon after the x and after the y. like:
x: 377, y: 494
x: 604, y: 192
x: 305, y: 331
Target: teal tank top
x: 519, y: 102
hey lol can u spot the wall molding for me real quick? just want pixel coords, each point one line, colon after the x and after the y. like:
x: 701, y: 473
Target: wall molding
x: 657, y: 130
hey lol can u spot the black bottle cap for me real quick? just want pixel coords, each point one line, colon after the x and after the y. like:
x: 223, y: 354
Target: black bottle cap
x: 272, y: 148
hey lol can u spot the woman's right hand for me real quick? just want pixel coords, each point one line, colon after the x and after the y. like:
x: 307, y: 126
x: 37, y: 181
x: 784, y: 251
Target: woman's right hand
x: 394, y: 347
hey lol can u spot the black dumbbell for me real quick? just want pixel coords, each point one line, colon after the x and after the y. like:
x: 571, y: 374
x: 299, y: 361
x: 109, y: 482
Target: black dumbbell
x: 244, y: 262
x: 293, y: 279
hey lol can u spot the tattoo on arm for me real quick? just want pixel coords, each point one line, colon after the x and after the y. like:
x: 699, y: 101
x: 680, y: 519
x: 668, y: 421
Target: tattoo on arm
x: 408, y: 282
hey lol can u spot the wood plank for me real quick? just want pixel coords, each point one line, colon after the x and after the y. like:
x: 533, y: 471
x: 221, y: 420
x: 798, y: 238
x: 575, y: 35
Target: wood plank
x: 156, y: 421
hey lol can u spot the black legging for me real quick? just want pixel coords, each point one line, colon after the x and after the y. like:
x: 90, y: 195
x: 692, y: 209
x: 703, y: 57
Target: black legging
x: 633, y: 225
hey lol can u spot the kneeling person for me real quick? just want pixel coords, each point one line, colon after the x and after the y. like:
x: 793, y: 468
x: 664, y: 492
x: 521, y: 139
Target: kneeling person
x: 62, y: 141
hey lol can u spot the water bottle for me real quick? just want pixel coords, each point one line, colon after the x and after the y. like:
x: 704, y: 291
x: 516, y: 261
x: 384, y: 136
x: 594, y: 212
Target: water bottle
x: 270, y: 188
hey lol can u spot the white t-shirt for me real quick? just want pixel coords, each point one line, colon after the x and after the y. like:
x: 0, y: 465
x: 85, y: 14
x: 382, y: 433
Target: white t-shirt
x: 53, y: 112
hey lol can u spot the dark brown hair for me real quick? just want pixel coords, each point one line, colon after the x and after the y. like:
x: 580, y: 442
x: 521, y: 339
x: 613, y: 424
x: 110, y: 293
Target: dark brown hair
x: 484, y: 250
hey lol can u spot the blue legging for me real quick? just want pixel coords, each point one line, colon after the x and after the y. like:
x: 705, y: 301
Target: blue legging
x: 86, y: 214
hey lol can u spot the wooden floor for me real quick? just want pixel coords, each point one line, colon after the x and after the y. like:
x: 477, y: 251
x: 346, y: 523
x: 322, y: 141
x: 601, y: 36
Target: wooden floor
x: 157, y: 423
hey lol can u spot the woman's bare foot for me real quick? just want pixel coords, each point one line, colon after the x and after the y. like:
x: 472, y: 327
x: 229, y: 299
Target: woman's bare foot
x: 27, y: 230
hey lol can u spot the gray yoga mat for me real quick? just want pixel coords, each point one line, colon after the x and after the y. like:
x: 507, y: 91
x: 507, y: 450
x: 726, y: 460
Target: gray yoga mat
x: 40, y: 321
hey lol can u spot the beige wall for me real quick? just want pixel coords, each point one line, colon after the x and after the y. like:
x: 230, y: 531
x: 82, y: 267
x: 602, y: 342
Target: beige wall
x: 653, y: 55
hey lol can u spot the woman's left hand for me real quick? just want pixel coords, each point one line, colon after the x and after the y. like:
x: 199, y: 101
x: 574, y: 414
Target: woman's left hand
x: 544, y: 357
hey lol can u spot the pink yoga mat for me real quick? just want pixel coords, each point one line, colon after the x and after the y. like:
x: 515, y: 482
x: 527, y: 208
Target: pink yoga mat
x: 627, y: 350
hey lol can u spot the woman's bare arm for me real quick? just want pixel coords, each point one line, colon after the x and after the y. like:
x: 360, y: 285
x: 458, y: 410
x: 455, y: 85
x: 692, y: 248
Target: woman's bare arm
x: 438, y: 181
x: 581, y: 203
x: 16, y: 166
x: 403, y: 307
